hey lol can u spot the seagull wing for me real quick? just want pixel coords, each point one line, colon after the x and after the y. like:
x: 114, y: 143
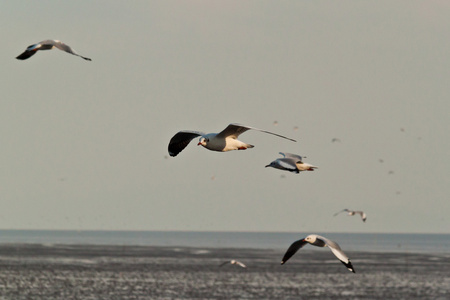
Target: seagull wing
x: 290, y: 155
x: 224, y: 263
x: 337, y: 251
x: 241, y: 264
x: 31, y: 50
x: 340, y: 212
x: 292, y: 250
x: 26, y: 54
x: 287, y: 164
x: 66, y: 48
x: 234, y: 130
x: 180, y: 140
x: 362, y: 214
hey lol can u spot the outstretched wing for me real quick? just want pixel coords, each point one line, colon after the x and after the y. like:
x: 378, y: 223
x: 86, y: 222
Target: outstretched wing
x: 30, y: 51
x: 224, y: 263
x: 340, y: 212
x: 287, y: 164
x: 290, y: 155
x: 337, y: 251
x: 61, y: 46
x: 234, y: 130
x: 292, y: 250
x: 362, y: 214
x: 26, y: 54
x: 180, y: 140
x: 240, y: 264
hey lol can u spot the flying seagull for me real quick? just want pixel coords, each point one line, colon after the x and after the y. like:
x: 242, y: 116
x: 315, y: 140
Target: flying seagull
x: 292, y: 163
x: 226, y: 140
x: 233, y: 262
x: 352, y: 213
x: 318, y: 241
x: 47, y: 45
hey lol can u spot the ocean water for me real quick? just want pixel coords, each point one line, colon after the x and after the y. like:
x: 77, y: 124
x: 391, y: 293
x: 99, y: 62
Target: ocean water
x: 366, y: 242
x: 68, y: 265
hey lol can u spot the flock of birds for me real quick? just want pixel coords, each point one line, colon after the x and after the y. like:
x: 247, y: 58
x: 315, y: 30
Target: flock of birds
x: 224, y: 141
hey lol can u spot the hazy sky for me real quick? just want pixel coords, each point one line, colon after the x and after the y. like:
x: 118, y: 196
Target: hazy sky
x: 84, y: 144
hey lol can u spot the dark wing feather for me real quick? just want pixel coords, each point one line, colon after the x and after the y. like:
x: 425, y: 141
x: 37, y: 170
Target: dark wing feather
x: 292, y: 250
x: 224, y: 263
x: 348, y: 265
x: 180, y: 140
x: 26, y: 54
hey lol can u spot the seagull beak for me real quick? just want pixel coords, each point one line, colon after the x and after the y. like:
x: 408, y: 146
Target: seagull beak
x: 199, y: 143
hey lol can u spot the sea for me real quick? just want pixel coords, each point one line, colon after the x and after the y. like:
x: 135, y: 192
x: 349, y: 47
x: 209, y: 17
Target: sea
x: 125, y: 265
x: 366, y: 242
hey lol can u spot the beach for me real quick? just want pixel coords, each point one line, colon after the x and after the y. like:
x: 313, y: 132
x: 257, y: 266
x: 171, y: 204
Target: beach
x: 52, y: 271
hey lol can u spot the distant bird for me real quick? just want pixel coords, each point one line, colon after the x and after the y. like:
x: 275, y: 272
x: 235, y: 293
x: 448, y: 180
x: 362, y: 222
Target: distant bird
x: 352, y: 213
x: 47, y: 45
x: 334, y: 140
x: 292, y: 163
x: 318, y: 241
x: 226, y: 140
x: 233, y: 262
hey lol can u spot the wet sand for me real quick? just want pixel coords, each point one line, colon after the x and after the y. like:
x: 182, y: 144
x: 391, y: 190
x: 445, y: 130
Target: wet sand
x: 142, y: 272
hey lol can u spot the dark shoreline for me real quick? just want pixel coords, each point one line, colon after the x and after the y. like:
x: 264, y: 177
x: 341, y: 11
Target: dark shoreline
x: 56, y: 271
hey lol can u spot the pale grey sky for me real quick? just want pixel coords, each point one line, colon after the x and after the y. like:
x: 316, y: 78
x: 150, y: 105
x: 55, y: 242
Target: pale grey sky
x: 84, y: 144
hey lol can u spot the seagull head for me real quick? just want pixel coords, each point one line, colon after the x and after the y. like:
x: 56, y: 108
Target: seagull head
x: 272, y: 164
x: 203, y: 141
x: 310, y: 238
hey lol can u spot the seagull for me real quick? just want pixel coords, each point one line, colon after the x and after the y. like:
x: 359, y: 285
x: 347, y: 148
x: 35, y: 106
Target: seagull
x: 352, y: 213
x: 318, y: 241
x: 47, y: 45
x: 233, y: 262
x: 226, y: 140
x: 292, y: 163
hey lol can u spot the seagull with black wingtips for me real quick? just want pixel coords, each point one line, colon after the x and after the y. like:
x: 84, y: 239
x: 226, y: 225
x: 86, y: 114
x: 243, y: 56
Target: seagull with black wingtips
x: 319, y: 241
x: 352, y: 213
x: 224, y: 141
x: 48, y: 45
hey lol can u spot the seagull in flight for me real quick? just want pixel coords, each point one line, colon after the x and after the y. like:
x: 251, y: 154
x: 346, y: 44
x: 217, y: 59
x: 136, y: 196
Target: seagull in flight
x: 226, y: 140
x: 233, y: 262
x: 352, y: 213
x: 292, y: 163
x: 47, y: 45
x: 319, y: 241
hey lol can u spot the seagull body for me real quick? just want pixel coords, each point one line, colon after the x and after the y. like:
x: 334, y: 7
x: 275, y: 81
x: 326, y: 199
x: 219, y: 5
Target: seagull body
x: 318, y: 241
x: 233, y: 262
x: 48, y: 45
x: 353, y: 212
x: 224, y: 141
x: 292, y: 163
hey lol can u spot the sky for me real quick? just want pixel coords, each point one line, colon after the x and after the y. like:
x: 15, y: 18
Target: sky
x: 84, y: 143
